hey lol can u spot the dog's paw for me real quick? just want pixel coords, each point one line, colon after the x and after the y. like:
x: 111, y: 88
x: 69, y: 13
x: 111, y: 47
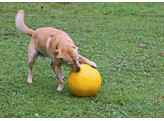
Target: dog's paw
x: 93, y: 65
x: 29, y: 81
x: 60, y: 88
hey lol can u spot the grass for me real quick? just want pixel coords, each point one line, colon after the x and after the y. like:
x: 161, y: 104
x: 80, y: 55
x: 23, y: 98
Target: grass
x: 108, y: 34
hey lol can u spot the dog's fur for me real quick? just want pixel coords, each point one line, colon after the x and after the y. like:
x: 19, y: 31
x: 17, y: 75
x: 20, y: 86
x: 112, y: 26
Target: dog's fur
x: 52, y: 43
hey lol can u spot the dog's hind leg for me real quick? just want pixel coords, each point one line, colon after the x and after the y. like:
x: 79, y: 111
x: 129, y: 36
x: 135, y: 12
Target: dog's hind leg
x: 33, y: 55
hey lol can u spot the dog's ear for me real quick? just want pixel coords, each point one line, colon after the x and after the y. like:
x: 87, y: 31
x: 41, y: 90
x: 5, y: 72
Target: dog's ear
x: 58, y: 53
x: 73, y: 46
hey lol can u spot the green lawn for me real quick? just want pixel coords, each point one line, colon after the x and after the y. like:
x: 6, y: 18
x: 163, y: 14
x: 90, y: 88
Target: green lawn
x: 108, y: 34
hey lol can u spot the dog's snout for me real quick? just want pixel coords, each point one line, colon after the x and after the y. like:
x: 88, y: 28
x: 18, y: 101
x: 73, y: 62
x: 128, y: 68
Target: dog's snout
x: 78, y: 69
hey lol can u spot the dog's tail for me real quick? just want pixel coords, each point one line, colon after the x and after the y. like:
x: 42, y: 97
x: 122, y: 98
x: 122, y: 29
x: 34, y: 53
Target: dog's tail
x: 20, y: 24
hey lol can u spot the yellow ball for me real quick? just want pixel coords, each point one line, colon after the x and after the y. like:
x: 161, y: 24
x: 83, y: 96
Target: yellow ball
x: 84, y: 83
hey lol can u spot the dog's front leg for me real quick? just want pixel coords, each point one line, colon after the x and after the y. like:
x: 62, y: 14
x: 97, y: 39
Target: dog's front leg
x: 86, y: 61
x: 58, y: 71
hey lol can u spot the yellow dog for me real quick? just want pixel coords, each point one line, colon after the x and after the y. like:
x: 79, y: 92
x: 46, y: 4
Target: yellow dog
x: 52, y: 43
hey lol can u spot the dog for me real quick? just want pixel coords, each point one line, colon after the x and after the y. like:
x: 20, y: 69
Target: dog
x: 52, y: 43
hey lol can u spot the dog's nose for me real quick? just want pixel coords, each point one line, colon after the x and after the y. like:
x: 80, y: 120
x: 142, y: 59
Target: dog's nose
x: 78, y: 69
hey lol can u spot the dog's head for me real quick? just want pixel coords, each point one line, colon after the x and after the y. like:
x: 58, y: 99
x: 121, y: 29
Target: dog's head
x: 69, y: 55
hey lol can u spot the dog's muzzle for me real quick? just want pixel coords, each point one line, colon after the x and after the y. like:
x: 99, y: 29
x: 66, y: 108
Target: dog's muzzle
x: 78, y: 69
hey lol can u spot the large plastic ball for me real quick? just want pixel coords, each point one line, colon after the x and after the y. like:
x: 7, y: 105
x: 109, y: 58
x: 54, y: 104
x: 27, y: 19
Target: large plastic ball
x: 84, y: 83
